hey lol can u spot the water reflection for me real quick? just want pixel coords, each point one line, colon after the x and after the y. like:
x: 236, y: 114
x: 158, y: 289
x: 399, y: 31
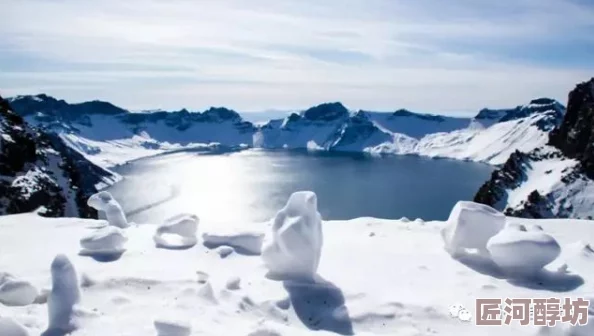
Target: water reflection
x: 252, y: 185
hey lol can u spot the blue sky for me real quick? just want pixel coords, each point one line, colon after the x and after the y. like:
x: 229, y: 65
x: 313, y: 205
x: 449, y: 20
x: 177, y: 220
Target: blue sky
x: 451, y: 57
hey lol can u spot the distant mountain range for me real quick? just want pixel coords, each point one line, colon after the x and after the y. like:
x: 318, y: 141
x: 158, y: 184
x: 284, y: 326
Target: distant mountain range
x: 107, y: 135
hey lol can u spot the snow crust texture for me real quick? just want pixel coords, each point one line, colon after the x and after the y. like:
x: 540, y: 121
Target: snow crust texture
x: 293, y: 246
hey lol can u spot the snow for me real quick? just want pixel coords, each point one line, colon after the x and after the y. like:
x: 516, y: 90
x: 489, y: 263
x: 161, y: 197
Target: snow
x: 225, y: 251
x: 548, y: 176
x: 109, y: 140
x: 172, y: 328
x: 233, y: 283
x: 9, y: 327
x: 293, y: 246
x: 492, y: 145
x: 106, y: 242
x: 177, y: 232
x: 398, y: 282
x: 65, y: 294
x: 470, y: 226
x: 242, y: 241
x: 103, y: 201
x: 16, y: 292
x: 519, y: 252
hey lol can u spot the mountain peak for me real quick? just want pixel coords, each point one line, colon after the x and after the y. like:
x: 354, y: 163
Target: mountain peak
x: 221, y: 113
x: 548, y: 106
x: 407, y: 113
x: 326, y: 112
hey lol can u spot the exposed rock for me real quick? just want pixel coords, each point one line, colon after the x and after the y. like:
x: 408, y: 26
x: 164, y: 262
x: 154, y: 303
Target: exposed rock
x: 575, y: 137
x: 39, y: 170
x: 510, y: 176
x: 326, y: 112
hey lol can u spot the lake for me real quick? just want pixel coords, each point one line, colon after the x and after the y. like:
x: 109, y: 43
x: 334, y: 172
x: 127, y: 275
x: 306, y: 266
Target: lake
x: 251, y: 185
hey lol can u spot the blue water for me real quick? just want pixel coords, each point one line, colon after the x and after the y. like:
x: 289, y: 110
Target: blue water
x: 250, y: 186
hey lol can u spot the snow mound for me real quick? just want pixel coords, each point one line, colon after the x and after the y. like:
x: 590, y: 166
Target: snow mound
x: 64, y: 296
x: 293, y: 245
x: 520, y: 252
x: 225, y: 251
x: 244, y: 242
x: 16, y: 292
x: 233, y: 283
x: 172, y: 328
x: 470, y: 225
x: 177, y: 232
x: 10, y: 327
x: 206, y: 293
x: 104, y: 201
x: 105, y: 241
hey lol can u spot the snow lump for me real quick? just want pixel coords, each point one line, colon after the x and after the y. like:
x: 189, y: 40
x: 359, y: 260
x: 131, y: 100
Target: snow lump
x: 470, y: 226
x: 65, y: 294
x: 293, y: 246
x: 177, y: 232
x: 521, y: 252
x: 106, y: 241
x: 16, y: 292
x: 172, y: 328
x: 104, y: 201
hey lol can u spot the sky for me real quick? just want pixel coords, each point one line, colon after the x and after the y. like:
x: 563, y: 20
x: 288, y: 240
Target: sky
x: 448, y: 57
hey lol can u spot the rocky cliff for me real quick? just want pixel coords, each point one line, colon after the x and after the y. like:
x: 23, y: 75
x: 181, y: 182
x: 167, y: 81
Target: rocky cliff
x: 39, y: 170
x: 556, y: 180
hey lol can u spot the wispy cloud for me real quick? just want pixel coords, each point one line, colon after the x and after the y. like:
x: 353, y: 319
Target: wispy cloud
x: 431, y: 55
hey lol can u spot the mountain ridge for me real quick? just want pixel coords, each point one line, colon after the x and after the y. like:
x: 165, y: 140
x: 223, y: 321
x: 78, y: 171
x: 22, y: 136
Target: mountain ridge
x: 555, y: 179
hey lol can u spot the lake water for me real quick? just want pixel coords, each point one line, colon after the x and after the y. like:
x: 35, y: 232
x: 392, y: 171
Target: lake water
x: 250, y: 186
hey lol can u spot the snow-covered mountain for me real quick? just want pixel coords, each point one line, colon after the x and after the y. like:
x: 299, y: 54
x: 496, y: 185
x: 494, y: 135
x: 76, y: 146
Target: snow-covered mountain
x: 493, y: 136
x: 489, y: 137
x: 557, y: 178
x: 108, y: 135
x: 488, y: 117
x: 38, y: 169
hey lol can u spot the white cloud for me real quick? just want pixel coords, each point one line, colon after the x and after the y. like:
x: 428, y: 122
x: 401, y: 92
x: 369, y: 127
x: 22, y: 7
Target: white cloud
x: 374, y: 54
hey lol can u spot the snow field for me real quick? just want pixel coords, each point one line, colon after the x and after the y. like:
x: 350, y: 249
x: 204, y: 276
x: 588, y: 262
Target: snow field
x: 363, y: 284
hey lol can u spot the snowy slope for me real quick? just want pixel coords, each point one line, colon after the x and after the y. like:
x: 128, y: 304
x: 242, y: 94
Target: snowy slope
x: 416, y: 125
x: 382, y: 277
x: 39, y: 170
x: 555, y: 179
x: 109, y: 135
x: 493, y: 144
x: 523, y: 128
